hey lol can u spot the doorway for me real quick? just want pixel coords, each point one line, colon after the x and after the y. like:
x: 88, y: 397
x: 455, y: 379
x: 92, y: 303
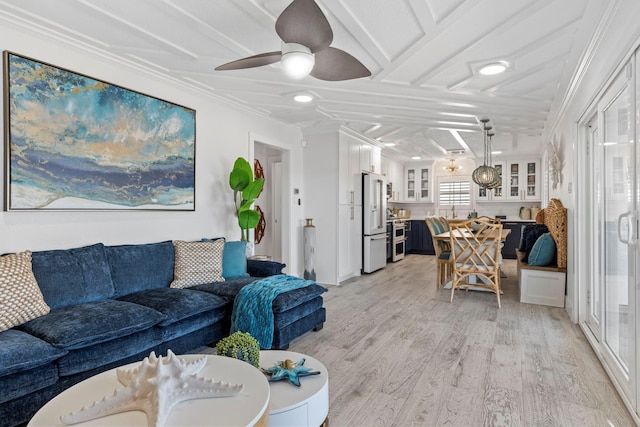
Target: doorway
x: 272, y: 201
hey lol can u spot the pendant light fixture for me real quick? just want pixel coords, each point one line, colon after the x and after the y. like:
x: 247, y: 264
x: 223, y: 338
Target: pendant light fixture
x: 486, y: 176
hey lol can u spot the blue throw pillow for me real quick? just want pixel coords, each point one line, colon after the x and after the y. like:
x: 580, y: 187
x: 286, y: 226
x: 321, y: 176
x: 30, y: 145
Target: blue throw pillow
x: 543, y: 251
x: 234, y: 260
x: 532, y: 238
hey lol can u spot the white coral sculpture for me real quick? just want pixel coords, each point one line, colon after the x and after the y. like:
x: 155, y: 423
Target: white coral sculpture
x: 556, y: 162
x: 154, y: 387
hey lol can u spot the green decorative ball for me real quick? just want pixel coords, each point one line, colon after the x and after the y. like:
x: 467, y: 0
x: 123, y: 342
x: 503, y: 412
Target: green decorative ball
x: 242, y: 346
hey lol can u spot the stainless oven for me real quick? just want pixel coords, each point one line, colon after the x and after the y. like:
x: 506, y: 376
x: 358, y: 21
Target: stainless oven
x: 398, y: 240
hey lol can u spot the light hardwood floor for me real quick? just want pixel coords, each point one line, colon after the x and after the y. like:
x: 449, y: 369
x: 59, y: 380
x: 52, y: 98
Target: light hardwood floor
x: 399, y: 354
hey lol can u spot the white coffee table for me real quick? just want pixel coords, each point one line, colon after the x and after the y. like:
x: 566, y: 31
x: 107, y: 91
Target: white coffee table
x: 245, y: 409
x: 307, y: 405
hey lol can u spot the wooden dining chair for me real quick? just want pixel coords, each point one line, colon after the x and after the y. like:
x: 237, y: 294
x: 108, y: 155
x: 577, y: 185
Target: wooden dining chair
x: 443, y: 251
x: 475, y: 252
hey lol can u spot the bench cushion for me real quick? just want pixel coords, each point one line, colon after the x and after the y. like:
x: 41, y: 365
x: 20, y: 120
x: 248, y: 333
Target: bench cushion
x: 87, y: 324
x: 136, y: 268
x: 73, y: 276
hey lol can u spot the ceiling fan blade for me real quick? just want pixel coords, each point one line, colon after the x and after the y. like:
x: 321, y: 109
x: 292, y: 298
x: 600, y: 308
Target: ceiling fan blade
x: 252, y: 61
x: 334, y: 64
x: 304, y: 23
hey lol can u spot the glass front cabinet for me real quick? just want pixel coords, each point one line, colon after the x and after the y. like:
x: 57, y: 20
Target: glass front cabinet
x: 523, y: 180
x: 418, y: 183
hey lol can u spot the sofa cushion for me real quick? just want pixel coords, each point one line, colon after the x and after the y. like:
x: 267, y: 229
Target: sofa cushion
x: 20, y: 297
x: 91, y: 323
x: 227, y: 289
x: 295, y: 297
x: 20, y: 384
x: 283, y: 302
x: 73, y: 276
x: 257, y: 268
x: 102, y: 354
x: 283, y: 319
x: 20, y: 351
x: 176, y: 304
x: 136, y: 268
x: 197, y: 263
x: 234, y: 260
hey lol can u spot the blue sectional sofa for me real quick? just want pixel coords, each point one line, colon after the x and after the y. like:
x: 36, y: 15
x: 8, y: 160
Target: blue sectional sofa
x: 111, y: 305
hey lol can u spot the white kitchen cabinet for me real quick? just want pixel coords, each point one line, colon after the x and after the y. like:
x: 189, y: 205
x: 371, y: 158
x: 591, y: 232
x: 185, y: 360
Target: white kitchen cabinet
x: 349, y: 241
x: 523, y: 180
x: 349, y: 172
x: 498, y: 193
x: 370, y: 158
x: 418, y: 185
x: 393, y: 171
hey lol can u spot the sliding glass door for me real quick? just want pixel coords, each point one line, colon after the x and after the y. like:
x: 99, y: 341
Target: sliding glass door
x: 611, y: 292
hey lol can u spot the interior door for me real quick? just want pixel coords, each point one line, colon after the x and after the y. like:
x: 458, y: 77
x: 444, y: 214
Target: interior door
x: 616, y: 226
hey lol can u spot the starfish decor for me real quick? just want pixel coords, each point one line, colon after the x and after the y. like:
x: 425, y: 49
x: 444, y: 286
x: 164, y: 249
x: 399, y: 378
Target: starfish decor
x: 287, y: 369
x: 154, y: 387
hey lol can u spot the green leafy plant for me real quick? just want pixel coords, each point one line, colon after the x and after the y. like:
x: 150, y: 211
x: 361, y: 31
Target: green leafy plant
x: 245, y: 191
x: 240, y: 345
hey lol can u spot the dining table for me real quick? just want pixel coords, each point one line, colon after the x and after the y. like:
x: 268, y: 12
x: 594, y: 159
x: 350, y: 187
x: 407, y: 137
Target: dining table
x: 458, y: 234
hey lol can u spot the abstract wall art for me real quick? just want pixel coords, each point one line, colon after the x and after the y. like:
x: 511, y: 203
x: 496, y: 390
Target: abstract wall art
x: 76, y: 143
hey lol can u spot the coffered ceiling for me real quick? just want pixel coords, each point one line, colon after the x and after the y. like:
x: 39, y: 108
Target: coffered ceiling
x: 425, y: 93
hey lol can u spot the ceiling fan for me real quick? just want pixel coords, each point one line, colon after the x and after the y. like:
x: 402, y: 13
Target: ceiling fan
x: 306, y: 36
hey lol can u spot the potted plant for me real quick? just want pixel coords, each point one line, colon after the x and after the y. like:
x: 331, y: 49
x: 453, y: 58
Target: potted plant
x: 245, y: 191
x: 241, y: 346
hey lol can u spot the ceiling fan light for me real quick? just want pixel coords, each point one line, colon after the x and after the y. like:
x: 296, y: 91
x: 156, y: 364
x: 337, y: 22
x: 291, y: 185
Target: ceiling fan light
x: 493, y: 68
x: 297, y: 60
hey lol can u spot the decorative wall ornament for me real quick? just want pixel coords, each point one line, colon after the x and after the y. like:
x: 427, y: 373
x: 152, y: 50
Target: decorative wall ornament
x: 556, y: 161
x: 154, y: 387
x: 77, y: 143
x: 258, y: 173
x: 262, y: 224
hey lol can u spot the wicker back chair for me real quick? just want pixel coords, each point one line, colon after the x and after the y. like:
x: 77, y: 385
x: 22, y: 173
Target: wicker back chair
x: 443, y: 251
x: 475, y: 251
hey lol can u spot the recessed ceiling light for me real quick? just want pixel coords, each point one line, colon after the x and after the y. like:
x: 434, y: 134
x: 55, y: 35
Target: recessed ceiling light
x: 303, y: 98
x: 416, y: 158
x: 496, y: 152
x: 389, y: 144
x: 493, y: 68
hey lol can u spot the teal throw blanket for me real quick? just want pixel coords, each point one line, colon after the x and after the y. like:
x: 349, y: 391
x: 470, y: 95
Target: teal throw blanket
x: 252, y: 308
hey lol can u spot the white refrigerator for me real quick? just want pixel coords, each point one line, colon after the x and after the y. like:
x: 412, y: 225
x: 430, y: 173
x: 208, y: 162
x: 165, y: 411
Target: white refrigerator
x: 374, y: 222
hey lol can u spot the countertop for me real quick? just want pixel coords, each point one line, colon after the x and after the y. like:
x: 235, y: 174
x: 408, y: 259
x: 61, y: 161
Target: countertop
x: 508, y: 219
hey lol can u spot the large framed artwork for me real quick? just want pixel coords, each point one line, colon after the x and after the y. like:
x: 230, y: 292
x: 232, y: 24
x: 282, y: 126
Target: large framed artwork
x: 73, y: 142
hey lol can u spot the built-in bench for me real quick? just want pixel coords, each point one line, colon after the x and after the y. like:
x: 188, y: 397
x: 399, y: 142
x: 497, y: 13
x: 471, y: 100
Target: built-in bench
x: 546, y: 285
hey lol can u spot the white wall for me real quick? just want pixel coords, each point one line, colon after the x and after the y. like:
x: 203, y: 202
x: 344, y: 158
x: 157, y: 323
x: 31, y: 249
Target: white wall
x: 615, y: 43
x: 223, y: 134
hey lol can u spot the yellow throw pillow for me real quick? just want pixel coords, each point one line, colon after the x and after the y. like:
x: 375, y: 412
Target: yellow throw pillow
x: 20, y: 296
x: 197, y: 263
